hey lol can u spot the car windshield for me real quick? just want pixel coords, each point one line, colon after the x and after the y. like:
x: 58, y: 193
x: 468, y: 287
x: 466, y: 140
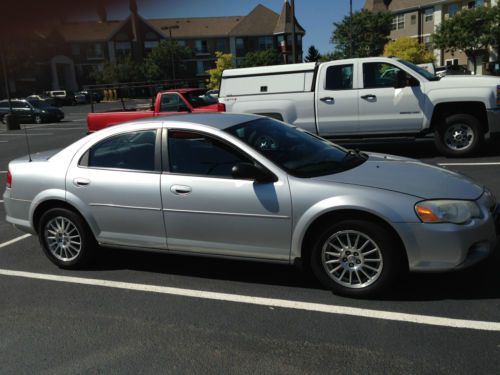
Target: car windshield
x: 295, y: 150
x: 199, y: 98
x: 419, y: 70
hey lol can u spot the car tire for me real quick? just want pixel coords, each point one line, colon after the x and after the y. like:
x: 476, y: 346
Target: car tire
x: 356, y: 258
x: 66, y: 238
x: 38, y: 119
x: 459, y: 136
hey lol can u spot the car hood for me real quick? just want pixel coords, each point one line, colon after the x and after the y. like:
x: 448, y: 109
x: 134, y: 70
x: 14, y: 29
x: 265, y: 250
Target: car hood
x: 408, y: 176
x: 464, y: 81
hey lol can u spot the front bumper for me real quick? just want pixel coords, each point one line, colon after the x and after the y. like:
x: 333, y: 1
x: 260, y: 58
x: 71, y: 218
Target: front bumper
x: 448, y: 247
x: 493, y: 120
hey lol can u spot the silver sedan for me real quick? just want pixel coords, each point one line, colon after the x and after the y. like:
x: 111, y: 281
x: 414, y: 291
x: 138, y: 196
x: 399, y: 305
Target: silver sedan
x: 250, y: 187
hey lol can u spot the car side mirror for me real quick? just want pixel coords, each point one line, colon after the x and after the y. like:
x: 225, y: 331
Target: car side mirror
x: 401, y: 80
x: 248, y: 171
x: 183, y: 108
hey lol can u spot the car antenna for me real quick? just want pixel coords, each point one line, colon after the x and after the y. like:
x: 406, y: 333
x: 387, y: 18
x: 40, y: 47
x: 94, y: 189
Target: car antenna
x: 27, y: 143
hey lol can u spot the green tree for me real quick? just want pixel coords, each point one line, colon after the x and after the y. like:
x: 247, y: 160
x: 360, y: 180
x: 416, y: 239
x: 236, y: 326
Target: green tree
x: 261, y: 58
x: 409, y: 49
x: 313, y: 55
x: 363, y: 34
x: 224, y: 61
x: 124, y: 70
x: 158, y: 64
x: 468, y: 31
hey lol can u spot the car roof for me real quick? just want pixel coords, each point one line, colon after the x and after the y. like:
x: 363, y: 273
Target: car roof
x: 214, y: 120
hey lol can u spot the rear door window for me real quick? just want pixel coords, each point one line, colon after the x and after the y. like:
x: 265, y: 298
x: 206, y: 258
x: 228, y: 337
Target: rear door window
x: 132, y: 151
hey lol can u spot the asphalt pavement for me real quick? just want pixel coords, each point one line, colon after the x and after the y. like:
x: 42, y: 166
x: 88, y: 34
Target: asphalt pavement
x: 139, y: 312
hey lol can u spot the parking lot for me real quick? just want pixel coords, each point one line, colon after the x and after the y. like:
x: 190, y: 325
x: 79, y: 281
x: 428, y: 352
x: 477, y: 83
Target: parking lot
x: 151, y: 313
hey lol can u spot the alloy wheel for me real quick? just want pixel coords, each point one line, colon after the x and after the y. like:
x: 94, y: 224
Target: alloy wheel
x: 352, y: 259
x: 63, y: 239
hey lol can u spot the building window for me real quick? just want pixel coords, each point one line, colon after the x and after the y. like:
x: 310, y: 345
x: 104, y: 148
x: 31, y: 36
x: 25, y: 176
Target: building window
x: 221, y: 45
x: 95, y: 52
x: 150, y: 44
x: 240, y: 46
x: 202, y: 66
x: 413, y: 19
x: 123, y: 49
x: 427, y: 42
x: 398, y: 22
x: 265, y: 42
x: 181, y: 43
x: 429, y: 14
x: 201, y: 46
x: 452, y: 10
x: 451, y: 62
x: 475, y: 4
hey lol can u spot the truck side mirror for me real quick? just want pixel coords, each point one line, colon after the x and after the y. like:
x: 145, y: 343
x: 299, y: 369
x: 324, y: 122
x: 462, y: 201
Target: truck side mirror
x: 401, y: 80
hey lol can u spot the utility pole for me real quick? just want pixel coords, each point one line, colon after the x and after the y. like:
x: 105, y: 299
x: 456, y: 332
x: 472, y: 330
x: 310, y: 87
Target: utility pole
x: 170, y: 28
x: 350, y: 30
x: 294, y: 40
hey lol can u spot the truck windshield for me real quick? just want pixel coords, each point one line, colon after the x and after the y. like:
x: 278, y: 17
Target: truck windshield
x: 295, y: 150
x: 199, y: 98
x: 419, y: 70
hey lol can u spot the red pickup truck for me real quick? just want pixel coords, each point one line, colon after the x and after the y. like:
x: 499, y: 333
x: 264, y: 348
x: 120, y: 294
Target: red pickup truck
x: 168, y: 102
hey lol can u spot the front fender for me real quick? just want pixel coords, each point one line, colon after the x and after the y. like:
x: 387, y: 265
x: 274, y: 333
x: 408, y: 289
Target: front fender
x: 338, y: 203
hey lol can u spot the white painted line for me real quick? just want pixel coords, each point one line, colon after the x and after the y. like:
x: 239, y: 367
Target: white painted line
x: 4, y: 141
x: 3, y: 171
x: 268, y: 302
x: 23, y: 135
x: 468, y: 164
x: 1, y: 201
x: 17, y: 239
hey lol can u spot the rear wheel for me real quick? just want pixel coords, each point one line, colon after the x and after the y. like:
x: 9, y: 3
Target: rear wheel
x: 66, y: 239
x: 459, y: 135
x: 356, y: 258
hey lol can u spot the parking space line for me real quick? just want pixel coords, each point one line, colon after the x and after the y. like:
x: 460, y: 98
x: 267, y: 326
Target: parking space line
x: 469, y: 164
x: 17, y: 239
x: 23, y: 135
x: 267, y: 302
x: 1, y: 201
x: 3, y: 171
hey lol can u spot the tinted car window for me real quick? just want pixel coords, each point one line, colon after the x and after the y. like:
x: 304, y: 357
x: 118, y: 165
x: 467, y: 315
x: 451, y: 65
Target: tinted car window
x: 298, y: 152
x: 4, y: 104
x: 199, y: 99
x: 379, y: 75
x: 199, y: 154
x: 339, y: 77
x: 170, y: 103
x: 135, y: 150
x: 18, y: 104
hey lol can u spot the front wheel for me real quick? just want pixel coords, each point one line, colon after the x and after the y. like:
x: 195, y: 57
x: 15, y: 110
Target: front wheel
x: 459, y: 135
x: 66, y: 239
x: 356, y: 258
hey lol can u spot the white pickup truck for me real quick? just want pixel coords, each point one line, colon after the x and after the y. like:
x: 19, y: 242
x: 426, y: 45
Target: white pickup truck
x: 376, y: 97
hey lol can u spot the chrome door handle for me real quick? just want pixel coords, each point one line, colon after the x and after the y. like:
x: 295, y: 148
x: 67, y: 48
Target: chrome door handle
x: 369, y: 97
x: 180, y: 189
x: 327, y: 99
x: 81, y: 181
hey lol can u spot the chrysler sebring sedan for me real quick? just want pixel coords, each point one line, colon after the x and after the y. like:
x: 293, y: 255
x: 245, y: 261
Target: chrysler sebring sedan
x: 250, y: 187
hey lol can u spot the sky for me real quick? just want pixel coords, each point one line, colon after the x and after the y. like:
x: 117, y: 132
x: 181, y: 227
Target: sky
x: 315, y: 16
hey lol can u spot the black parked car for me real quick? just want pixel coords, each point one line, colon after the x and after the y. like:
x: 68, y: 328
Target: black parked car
x: 29, y: 112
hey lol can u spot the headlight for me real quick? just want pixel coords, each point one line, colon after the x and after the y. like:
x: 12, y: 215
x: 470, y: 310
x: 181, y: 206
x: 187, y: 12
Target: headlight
x: 447, y: 211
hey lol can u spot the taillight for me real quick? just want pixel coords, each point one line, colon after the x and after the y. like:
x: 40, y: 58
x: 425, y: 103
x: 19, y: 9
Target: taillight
x: 221, y: 107
x: 9, y: 179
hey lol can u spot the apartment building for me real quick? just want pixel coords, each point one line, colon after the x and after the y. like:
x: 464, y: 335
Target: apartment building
x: 65, y: 55
x: 420, y: 18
